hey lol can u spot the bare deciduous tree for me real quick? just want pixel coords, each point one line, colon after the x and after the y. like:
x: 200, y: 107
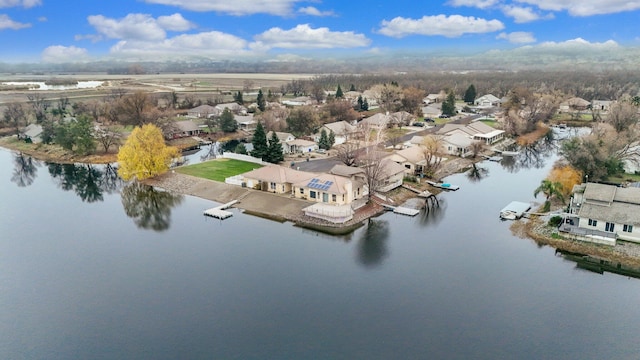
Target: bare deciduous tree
x: 347, y: 153
x: 432, y: 149
x: 15, y: 116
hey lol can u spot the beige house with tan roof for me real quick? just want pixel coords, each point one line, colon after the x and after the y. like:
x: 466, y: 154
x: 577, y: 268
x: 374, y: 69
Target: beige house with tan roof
x: 329, y: 189
x: 274, y: 178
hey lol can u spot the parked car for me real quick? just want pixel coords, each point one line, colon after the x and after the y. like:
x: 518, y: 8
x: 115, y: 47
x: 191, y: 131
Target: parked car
x: 321, y: 151
x: 418, y: 124
x: 443, y: 116
x: 429, y: 120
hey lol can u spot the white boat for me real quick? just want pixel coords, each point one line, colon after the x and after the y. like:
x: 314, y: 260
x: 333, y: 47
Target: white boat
x: 514, y: 210
x: 445, y: 186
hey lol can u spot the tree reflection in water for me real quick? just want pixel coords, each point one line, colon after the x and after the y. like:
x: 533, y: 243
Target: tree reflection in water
x: 531, y: 156
x: 88, y: 181
x: 149, y: 208
x: 25, y: 170
x: 433, y: 214
x: 372, y: 246
x: 477, y: 173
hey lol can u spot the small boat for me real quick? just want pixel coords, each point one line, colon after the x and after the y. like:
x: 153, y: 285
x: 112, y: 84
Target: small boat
x: 510, y: 153
x: 445, y: 186
x: 514, y: 210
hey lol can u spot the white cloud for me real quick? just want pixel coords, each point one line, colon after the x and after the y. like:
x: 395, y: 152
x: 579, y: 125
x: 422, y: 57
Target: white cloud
x: 305, y: 37
x: 481, y: 4
x: 234, y: 7
x: 517, y: 37
x: 521, y: 14
x: 586, y: 7
x: 64, y: 54
x: 22, y: 3
x: 310, y: 10
x: 133, y: 26
x: 579, y: 43
x: 206, y: 44
x: 43, y: 19
x: 449, y: 26
x: 7, y: 23
x: 174, y: 22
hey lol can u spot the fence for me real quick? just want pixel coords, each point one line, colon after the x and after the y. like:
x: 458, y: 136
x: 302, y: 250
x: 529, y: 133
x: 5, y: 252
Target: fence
x: 247, y: 158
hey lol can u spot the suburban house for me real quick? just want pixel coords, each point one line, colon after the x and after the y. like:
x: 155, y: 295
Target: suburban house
x: 245, y: 122
x: 603, y: 213
x: 602, y: 105
x: 299, y: 101
x: 329, y: 189
x: 574, y: 104
x: 203, y: 111
x: 274, y: 178
x: 487, y: 101
x: 457, y: 143
x: 434, y: 98
x: 33, y: 132
x: 284, y: 137
x: 379, y: 121
x: 233, y: 107
x: 342, y: 130
x: 185, y: 128
x: 432, y: 111
x: 412, y: 159
x: 476, y: 130
x: 300, y: 146
x: 391, y: 175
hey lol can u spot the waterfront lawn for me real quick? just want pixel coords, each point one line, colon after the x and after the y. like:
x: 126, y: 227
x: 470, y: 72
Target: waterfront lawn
x: 218, y: 169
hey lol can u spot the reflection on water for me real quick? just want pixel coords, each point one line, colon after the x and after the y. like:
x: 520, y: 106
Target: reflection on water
x: 372, y: 246
x: 531, y: 156
x: 598, y: 265
x: 88, y: 181
x: 432, y: 215
x: 477, y: 172
x: 25, y: 170
x: 149, y: 208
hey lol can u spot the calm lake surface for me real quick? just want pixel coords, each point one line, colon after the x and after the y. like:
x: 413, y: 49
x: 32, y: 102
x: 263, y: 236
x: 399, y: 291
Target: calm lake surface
x: 91, y: 270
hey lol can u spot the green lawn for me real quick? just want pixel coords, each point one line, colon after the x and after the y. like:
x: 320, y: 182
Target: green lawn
x: 490, y: 122
x: 218, y: 169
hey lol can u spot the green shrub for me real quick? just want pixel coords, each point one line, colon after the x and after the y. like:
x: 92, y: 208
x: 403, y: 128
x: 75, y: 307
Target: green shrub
x: 555, y: 221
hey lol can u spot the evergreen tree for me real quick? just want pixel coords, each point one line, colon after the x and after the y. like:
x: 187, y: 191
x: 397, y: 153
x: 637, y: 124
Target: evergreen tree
x: 238, y: 98
x: 262, y: 103
x: 360, y: 102
x: 339, y: 94
x: 259, y: 142
x: 470, y: 94
x: 274, y: 150
x: 332, y: 139
x: 228, y: 122
x: 241, y: 149
x: 323, y: 143
x: 352, y: 88
x: 449, y: 105
x: 365, y: 105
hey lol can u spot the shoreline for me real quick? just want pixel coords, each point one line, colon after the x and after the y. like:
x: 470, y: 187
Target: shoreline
x: 54, y: 153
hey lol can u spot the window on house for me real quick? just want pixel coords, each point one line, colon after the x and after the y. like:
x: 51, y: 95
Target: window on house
x: 593, y: 222
x: 609, y: 227
x: 312, y: 194
x: 301, y: 191
x: 627, y: 228
x: 334, y: 198
x: 407, y: 166
x: 342, y: 197
x: 272, y: 186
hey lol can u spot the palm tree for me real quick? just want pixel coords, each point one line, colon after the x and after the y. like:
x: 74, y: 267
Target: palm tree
x: 550, y: 188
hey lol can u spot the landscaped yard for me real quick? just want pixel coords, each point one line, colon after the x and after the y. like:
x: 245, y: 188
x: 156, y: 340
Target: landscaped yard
x: 218, y: 169
x: 491, y: 122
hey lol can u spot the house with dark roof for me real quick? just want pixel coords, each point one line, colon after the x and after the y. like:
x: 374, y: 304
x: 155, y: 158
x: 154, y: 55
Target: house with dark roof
x: 185, y: 129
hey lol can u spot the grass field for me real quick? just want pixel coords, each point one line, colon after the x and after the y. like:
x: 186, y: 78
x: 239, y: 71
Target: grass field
x: 218, y: 169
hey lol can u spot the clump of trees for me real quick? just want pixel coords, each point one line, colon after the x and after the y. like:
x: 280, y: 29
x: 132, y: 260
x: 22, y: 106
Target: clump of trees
x: 269, y: 150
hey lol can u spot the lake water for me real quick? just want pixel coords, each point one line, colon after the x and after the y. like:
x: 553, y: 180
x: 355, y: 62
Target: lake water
x: 41, y: 85
x: 91, y: 270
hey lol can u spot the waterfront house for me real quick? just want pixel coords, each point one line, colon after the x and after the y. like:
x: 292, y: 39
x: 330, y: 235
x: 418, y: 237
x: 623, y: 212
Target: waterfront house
x: 412, y: 159
x: 603, y: 213
x: 300, y: 146
x: 284, y: 137
x: 476, y: 130
x: 574, y: 104
x: 274, y: 178
x: 185, y: 129
x: 329, y: 189
x: 33, y: 132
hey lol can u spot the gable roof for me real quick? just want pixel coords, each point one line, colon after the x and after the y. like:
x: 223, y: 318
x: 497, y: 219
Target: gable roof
x: 610, y: 203
x: 413, y: 154
x: 186, y: 126
x: 278, y: 174
x: 487, y: 98
x: 282, y: 136
x: 33, y: 130
x: 390, y: 168
x: 378, y: 119
x: 346, y: 171
x: 204, y: 110
x: 340, y: 128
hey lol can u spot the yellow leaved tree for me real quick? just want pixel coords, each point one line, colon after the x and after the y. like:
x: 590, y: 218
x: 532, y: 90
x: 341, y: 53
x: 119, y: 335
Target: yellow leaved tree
x: 567, y: 176
x: 145, y: 154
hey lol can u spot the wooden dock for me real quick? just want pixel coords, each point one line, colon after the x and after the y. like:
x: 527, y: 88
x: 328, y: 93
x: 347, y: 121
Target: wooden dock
x: 402, y: 210
x: 444, y: 186
x: 219, y: 212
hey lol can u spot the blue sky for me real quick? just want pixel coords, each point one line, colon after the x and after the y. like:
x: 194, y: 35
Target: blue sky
x: 86, y: 30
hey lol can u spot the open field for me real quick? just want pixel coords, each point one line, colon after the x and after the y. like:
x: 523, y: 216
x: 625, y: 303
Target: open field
x: 218, y: 169
x: 198, y: 85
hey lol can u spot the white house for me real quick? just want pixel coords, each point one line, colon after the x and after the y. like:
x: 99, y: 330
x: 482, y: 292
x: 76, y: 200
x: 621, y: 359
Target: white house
x: 342, y: 130
x: 487, y: 101
x: 603, y: 213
